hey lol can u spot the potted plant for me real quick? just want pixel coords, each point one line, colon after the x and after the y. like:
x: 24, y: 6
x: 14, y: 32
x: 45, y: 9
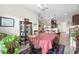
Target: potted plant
x: 11, y: 43
x: 76, y: 35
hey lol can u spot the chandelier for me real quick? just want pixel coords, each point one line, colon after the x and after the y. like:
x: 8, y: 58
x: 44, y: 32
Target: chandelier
x: 43, y: 7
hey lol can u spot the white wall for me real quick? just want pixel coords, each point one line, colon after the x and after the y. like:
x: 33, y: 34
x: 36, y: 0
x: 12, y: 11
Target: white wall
x: 64, y: 24
x: 17, y: 12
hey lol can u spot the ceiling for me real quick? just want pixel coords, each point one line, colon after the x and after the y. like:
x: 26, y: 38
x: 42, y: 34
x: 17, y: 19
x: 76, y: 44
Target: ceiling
x: 58, y: 11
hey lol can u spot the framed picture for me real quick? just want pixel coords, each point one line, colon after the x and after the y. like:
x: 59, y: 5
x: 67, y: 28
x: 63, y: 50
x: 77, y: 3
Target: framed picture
x: 6, y: 22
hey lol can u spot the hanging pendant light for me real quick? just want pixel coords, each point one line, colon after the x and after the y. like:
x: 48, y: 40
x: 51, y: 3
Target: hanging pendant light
x: 43, y: 7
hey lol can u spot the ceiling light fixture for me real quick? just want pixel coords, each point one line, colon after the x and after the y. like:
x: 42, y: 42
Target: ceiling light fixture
x: 43, y: 7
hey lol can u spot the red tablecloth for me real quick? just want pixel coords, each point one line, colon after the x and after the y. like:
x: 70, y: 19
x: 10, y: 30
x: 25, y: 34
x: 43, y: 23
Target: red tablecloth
x: 44, y: 41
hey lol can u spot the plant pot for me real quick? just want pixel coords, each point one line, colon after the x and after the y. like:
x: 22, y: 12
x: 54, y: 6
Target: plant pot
x: 77, y: 37
x: 11, y: 50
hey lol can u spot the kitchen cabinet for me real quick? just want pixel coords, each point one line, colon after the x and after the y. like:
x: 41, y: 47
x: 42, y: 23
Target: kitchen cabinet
x: 75, y: 19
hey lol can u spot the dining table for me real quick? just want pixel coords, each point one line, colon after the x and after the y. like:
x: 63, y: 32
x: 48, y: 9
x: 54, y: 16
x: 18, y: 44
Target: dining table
x: 43, y: 41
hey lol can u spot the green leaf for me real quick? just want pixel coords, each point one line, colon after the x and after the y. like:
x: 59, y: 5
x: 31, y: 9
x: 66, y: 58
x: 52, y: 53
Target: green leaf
x: 16, y: 50
x: 74, y: 34
x: 5, y: 50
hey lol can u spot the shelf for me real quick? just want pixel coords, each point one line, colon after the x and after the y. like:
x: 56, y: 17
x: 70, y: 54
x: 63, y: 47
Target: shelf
x: 22, y: 36
x: 25, y: 28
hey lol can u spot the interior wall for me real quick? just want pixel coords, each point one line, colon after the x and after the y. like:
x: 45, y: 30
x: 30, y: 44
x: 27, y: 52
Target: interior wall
x: 64, y: 29
x: 64, y: 24
x: 18, y: 13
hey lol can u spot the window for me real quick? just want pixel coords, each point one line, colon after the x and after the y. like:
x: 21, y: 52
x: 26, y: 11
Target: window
x: 6, y: 22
